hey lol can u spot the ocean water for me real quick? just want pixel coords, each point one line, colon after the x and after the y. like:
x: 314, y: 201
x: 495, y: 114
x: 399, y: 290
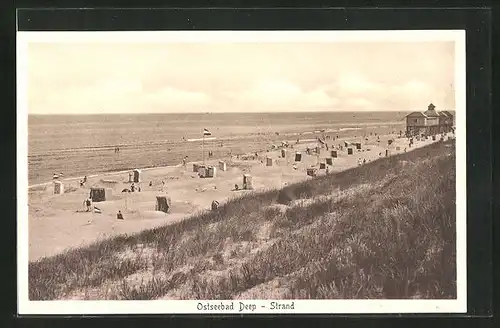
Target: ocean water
x: 84, y: 144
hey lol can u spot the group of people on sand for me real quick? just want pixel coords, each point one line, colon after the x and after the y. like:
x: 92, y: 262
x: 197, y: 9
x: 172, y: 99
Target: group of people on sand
x: 57, y: 176
x: 89, y: 206
x: 132, y: 188
x: 61, y: 175
x: 83, y: 182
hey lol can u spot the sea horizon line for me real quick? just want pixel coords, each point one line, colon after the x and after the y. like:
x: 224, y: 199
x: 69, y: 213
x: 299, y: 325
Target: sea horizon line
x: 243, y: 112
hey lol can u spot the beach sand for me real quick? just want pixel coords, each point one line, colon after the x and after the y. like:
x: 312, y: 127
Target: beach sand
x: 58, y: 222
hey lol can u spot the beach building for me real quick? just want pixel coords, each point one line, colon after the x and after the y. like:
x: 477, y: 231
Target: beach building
x: 137, y: 175
x: 222, y: 166
x: 163, y: 204
x: 211, y: 172
x: 429, y: 122
x: 58, y: 187
x: 100, y: 194
x: 247, y: 182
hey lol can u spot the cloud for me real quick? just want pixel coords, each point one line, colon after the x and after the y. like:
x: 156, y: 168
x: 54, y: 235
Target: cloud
x: 356, y: 92
x: 280, y: 93
x: 163, y: 77
x: 356, y: 84
x: 115, y: 96
x: 269, y: 92
x: 318, y: 98
x: 177, y: 99
x: 411, y: 88
x: 359, y: 103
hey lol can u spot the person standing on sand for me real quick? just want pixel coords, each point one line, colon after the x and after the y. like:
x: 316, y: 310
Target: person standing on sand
x: 119, y: 215
x: 88, y: 204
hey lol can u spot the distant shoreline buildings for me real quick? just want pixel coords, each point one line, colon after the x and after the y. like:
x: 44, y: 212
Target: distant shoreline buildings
x: 429, y: 122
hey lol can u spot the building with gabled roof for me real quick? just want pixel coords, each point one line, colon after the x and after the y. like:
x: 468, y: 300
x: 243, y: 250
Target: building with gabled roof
x: 429, y: 122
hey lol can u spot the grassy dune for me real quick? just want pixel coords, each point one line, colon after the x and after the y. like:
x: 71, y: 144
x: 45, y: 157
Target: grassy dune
x: 382, y: 230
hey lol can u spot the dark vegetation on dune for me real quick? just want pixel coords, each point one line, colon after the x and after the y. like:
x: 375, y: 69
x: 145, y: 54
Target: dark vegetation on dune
x: 382, y: 230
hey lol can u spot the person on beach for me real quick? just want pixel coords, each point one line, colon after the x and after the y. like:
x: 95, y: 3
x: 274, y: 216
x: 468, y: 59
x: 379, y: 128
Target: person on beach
x: 88, y: 204
x: 84, y: 179
x: 132, y: 187
x: 184, y: 161
x: 81, y: 183
x: 119, y: 215
x: 150, y: 183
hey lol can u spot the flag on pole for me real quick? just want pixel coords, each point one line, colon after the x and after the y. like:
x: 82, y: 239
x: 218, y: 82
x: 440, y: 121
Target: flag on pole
x: 206, y: 132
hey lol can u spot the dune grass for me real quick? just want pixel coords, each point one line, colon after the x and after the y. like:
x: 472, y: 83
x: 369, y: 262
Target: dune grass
x: 384, y: 230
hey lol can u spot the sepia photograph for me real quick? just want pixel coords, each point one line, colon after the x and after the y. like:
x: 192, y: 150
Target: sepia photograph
x: 241, y: 172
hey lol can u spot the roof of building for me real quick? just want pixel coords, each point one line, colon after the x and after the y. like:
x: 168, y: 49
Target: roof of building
x: 447, y: 113
x: 431, y: 112
x: 416, y: 114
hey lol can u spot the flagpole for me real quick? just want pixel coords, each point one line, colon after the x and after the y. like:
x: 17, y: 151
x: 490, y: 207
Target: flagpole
x: 203, y: 148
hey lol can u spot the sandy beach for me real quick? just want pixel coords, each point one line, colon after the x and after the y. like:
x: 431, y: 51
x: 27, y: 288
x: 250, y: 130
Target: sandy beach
x: 59, y: 222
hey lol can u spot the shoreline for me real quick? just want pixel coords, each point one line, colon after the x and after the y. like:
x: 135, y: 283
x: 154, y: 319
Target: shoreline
x: 288, y: 137
x: 304, y: 142
x: 57, y: 222
x: 36, y: 180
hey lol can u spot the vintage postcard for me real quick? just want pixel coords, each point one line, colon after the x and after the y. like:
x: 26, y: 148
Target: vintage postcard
x: 241, y: 172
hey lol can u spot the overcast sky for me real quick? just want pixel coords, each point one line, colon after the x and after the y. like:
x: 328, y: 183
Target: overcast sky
x: 84, y: 78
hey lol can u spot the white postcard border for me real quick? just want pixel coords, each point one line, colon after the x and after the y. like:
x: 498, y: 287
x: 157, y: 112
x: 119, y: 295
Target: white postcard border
x: 25, y: 306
